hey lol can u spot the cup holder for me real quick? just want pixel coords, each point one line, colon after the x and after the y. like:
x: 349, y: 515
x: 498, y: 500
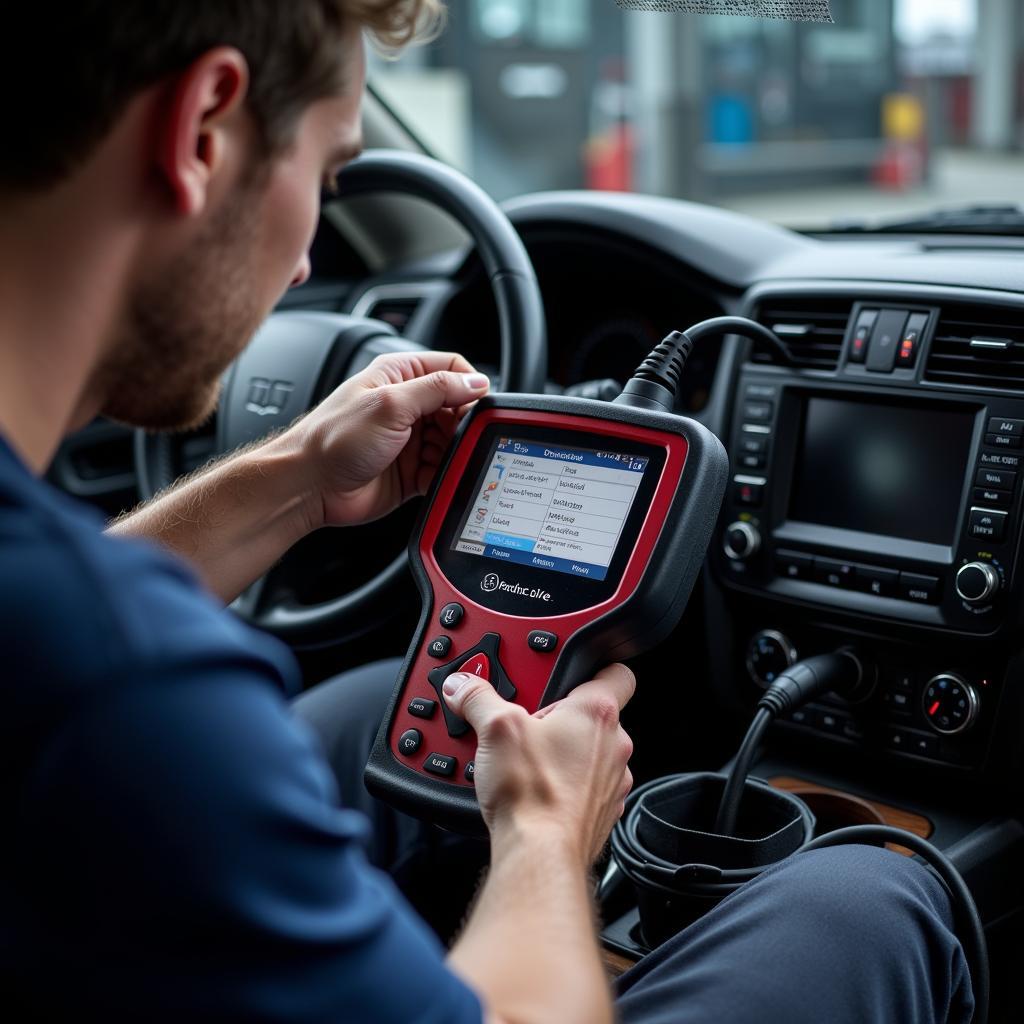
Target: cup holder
x: 680, y: 867
x: 834, y: 810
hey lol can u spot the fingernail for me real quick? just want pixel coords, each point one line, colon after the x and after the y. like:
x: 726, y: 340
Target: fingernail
x: 455, y: 682
x: 477, y: 381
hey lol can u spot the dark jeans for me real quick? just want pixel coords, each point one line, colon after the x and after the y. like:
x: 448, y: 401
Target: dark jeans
x: 852, y: 934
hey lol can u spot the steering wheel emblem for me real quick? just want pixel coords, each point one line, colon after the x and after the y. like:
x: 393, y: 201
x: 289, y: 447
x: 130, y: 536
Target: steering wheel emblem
x: 268, y: 397
x: 490, y: 582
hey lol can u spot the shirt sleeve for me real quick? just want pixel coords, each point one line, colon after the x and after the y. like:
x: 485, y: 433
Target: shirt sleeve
x: 186, y: 855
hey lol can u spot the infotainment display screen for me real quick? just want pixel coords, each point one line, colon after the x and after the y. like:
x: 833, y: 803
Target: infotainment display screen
x: 551, y: 506
x: 882, y: 469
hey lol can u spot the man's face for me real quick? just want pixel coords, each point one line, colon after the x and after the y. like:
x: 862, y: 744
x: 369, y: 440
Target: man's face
x: 186, y: 323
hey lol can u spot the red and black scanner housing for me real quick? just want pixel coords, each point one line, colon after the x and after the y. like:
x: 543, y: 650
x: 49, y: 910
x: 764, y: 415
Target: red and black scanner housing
x: 534, y: 632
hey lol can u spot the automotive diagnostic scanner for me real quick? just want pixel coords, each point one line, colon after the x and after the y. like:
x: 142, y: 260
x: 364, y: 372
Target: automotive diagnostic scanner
x: 560, y: 534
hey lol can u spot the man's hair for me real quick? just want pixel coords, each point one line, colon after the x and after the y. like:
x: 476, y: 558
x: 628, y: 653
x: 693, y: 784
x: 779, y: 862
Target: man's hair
x: 67, y: 74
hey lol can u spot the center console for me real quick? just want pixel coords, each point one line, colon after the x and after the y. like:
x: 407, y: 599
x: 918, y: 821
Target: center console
x: 873, y: 506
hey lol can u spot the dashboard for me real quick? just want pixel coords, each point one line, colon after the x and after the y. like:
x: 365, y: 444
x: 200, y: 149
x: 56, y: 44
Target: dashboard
x: 876, y: 474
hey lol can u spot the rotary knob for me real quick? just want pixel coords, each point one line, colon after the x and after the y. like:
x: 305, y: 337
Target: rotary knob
x: 741, y: 541
x: 977, y: 582
x: 769, y: 654
x: 950, y: 703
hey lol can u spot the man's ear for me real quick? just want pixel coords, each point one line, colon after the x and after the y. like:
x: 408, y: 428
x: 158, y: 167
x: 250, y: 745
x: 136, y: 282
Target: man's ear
x: 197, y: 124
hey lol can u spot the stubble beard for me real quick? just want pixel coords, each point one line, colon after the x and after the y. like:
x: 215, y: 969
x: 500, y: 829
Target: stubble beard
x: 185, y: 326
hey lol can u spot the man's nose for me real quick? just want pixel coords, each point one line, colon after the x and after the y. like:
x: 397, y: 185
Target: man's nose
x: 302, y: 271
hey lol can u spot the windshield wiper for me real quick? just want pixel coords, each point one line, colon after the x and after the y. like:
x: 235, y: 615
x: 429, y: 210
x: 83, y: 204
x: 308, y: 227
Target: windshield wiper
x: 983, y: 218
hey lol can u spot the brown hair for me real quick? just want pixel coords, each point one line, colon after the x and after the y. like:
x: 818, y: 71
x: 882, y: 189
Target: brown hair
x: 65, y: 77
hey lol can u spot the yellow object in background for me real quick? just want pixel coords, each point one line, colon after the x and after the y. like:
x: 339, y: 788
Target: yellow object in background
x: 902, y: 117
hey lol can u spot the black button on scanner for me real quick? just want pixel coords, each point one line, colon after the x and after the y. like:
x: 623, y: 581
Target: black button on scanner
x: 409, y: 742
x: 420, y: 707
x: 451, y: 615
x: 441, y: 764
x: 439, y: 646
x: 543, y: 641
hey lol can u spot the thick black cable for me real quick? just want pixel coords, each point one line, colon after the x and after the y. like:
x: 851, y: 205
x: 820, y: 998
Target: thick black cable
x: 656, y: 380
x: 967, y: 920
x: 729, y: 808
x: 798, y: 684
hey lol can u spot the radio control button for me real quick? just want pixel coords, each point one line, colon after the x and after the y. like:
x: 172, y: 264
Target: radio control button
x: 987, y: 525
x: 922, y: 589
x: 1001, y: 479
x: 1002, y: 440
x: 758, y: 412
x: 993, y: 499
x: 998, y: 425
x: 977, y: 582
x: 409, y: 742
x: 835, y: 574
x: 451, y: 615
x: 543, y: 641
x: 420, y: 707
x: 751, y: 462
x: 760, y: 391
x: 875, y: 580
x: 1003, y: 459
x: 794, y: 565
x: 753, y: 444
x: 441, y: 764
x: 469, y: 773
x: 439, y: 646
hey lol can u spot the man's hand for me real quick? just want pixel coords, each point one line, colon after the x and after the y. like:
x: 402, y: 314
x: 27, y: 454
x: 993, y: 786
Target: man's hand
x: 379, y: 438
x: 563, y: 768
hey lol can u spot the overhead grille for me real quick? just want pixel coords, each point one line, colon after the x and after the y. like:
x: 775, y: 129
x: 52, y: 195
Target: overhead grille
x: 811, y: 329
x: 978, y: 346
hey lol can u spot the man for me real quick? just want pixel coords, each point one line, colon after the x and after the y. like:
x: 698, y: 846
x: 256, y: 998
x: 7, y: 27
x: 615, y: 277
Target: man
x: 175, y: 849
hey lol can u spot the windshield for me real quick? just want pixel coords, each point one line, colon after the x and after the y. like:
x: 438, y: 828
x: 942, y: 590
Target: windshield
x: 899, y: 108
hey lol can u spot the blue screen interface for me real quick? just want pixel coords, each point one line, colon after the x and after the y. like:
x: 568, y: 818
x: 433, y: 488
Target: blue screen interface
x: 552, y: 506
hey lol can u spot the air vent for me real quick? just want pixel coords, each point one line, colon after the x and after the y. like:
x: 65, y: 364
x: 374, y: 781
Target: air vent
x: 397, y: 312
x: 811, y: 328
x: 394, y: 304
x: 978, y: 346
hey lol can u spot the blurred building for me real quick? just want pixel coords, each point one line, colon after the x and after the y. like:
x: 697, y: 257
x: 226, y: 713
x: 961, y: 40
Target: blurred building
x: 542, y: 94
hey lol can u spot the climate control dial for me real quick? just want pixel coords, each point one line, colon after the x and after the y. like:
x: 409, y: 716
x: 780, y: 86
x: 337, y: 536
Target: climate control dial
x: 977, y: 582
x: 950, y: 704
x: 769, y: 654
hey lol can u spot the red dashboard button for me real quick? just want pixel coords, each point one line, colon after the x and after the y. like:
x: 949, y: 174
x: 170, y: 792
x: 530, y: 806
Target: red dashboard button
x: 478, y: 665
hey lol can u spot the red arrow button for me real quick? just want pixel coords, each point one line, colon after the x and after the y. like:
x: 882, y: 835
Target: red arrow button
x: 478, y: 665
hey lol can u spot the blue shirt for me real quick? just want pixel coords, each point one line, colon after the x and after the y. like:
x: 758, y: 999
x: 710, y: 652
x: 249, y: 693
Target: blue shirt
x: 173, y: 846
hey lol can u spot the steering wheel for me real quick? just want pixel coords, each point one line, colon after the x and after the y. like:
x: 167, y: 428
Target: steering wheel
x: 297, y: 358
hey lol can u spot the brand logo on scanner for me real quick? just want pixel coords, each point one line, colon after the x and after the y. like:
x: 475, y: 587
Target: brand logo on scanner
x: 492, y: 581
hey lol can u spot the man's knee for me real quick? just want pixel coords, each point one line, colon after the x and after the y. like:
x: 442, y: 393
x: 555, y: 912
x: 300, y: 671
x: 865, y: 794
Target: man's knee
x: 884, y: 916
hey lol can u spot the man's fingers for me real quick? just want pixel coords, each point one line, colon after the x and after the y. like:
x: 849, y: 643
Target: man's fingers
x: 613, y: 681
x: 474, y: 699
x: 395, y: 367
x: 438, y: 390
